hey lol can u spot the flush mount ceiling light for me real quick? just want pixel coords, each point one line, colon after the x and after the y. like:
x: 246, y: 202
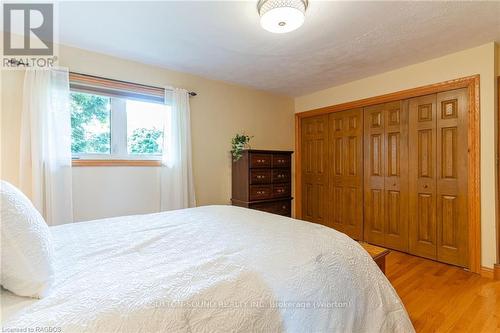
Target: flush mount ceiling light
x: 280, y: 16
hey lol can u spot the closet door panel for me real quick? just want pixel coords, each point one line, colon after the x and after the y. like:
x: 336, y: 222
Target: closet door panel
x: 452, y: 228
x: 336, y: 206
x: 396, y: 175
x: 374, y: 182
x: 346, y: 172
x: 315, y: 168
x: 422, y: 176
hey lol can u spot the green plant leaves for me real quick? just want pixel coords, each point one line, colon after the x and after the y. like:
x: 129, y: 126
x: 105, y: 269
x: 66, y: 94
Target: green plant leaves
x: 238, y: 144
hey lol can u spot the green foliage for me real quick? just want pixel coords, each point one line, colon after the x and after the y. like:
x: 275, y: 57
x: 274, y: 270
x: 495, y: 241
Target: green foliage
x: 238, y: 143
x: 85, y: 109
x: 145, y: 141
x: 91, y: 132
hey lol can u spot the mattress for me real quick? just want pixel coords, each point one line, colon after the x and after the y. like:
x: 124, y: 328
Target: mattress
x: 209, y: 269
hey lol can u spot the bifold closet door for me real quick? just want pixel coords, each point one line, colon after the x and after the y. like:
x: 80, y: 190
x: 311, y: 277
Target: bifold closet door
x: 314, y: 168
x: 386, y: 175
x: 422, y: 171
x: 438, y: 176
x: 345, y: 202
x: 452, y: 172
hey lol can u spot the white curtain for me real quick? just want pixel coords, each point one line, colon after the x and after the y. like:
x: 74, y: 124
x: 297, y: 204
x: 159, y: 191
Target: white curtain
x: 177, y: 185
x: 45, y: 161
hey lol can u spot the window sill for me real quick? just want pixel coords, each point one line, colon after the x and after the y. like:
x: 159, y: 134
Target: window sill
x: 109, y: 162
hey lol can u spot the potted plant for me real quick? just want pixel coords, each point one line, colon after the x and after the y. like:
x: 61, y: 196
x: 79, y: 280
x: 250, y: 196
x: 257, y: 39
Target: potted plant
x: 238, y: 144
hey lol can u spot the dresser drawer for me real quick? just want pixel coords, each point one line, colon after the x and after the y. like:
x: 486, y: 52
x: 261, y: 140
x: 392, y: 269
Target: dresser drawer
x: 269, y: 207
x: 281, y: 190
x: 261, y: 192
x: 277, y: 207
x: 260, y: 160
x: 260, y: 176
x: 283, y: 208
x: 281, y: 176
x: 281, y: 161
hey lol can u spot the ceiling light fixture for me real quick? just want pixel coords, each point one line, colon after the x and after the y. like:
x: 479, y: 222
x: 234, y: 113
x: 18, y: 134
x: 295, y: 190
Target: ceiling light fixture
x: 281, y: 16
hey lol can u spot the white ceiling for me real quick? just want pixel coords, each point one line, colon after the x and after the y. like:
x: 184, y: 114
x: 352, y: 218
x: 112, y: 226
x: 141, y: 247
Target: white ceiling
x: 338, y: 43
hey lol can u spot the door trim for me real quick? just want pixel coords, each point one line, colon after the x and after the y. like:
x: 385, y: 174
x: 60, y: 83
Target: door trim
x: 473, y: 132
x: 496, y: 267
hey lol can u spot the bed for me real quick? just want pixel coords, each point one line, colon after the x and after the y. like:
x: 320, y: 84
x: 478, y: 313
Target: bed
x: 208, y: 269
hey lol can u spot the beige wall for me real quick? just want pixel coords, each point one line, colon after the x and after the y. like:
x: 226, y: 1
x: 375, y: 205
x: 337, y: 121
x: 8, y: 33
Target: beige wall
x: 498, y: 59
x: 481, y: 60
x: 218, y: 112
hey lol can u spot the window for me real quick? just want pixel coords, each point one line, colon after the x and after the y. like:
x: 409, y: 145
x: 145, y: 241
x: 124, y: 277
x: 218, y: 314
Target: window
x: 90, y: 124
x: 115, y: 128
x: 116, y: 125
x: 145, y: 127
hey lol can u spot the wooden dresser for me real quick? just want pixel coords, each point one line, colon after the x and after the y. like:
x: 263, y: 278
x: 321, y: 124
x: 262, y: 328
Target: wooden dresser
x: 262, y: 180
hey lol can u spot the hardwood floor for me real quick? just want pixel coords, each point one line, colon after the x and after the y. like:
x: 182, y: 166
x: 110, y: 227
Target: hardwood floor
x: 444, y: 298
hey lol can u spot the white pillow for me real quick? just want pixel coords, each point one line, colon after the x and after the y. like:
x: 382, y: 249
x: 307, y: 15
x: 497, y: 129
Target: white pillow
x: 27, y: 252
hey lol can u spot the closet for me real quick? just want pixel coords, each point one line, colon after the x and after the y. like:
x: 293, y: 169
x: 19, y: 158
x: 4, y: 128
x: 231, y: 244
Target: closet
x: 392, y: 174
x: 345, y: 209
x: 438, y: 176
x: 386, y: 175
x: 314, y: 163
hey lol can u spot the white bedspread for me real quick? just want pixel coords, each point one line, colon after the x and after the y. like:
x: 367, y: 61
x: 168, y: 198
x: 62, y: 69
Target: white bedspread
x: 210, y: 269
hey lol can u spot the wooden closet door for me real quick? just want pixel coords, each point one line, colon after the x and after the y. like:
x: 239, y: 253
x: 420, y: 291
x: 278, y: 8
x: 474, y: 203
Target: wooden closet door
x: 396, y: 175
x: 452, y: 227
x: 346, y: 172
x: 422, y: 176
x: 314, y: 168
x: 374, y: 180
x: 386, y: 175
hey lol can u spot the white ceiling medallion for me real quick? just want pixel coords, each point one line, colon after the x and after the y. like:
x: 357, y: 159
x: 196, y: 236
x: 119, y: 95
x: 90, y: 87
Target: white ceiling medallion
x: 280, y: 16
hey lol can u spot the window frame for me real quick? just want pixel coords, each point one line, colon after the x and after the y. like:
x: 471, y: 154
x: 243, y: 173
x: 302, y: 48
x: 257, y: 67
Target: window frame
x: 113, y: 162
x: 118, y: 92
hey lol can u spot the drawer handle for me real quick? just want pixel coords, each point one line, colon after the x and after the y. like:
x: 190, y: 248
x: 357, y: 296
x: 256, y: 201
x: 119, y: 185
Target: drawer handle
x: 261, y: 192
x: 260, y: 177
x: 283, y: 207
x: 425, y: 186
x: 261, y: 161
x: 281, y: 176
